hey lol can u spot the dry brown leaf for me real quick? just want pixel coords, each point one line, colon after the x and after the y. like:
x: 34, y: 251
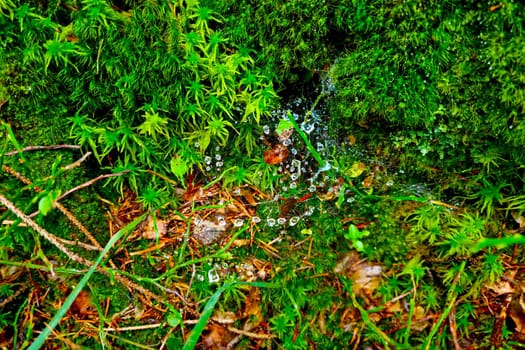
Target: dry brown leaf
x: 207, y: 232
x: 252, y: 306
x: 419, y: 313
x: 517, y: 312
x: 365, y: 277
x: 216, y: 337
x: 154, y: 229
x: 504, y: 286
x: 278, y: 154
x: 82, y: 304
x: 520, y: 220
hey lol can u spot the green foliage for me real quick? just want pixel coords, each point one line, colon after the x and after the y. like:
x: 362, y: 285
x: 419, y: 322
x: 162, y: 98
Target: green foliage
x: 446, y: 77
x: 290, y: 35
x: 354, y: 235
x: 489, y: 196
x: 141, y: 86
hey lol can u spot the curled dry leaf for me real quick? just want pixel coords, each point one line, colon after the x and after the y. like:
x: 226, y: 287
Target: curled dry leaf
x: 365, y: 277
x: 517, y: 312
x: 207, y: 232
x: 154, y: 229
x: 216, y: 337
x: 276, y: 155
x: 82, y: 304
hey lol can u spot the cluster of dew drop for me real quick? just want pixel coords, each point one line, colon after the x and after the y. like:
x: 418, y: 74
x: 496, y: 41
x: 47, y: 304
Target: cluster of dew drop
x: 300, y: 167
x: 213, y: 162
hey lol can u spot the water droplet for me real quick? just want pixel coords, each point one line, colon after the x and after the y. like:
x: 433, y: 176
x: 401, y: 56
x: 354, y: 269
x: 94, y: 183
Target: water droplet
x: 197, y: 145
x: 207, y: 159
x: 294, y: 177
x: 287, y: 142
x: 293, y: 184
x: 266, y: 129
x: 256, y: 219
x: 213, y: 276
x: 307, y: 127
x: 294, y: 151
x: 200, y: 277
x: 281, y: 221
x: 218, y: 157
x: 389, y: 183
x: 311, y: 188
x: 294, y: 220
x: 309, y: 211
x: 219, y: 164
x: 208, y: 168
x: 238, y: 222
x: 350, y: 199
x: 270, y: 222
x: 320, y: 146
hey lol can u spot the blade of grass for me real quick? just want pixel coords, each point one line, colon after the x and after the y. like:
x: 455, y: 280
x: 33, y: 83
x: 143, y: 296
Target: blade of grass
x: 40, y: 340
x: 451, y: 299
x: 196, y: 332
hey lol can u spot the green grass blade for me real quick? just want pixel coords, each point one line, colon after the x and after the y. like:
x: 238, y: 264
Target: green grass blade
x: 210, y: 307
x: 39, y: 341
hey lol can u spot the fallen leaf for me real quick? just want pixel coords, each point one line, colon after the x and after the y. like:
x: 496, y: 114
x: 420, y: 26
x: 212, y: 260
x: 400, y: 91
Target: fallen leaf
x: 419, y: 313
x: 365, y: 277
x: 356, y: 169
x: 207, y: 232
x: 504, y: 286
x: 517, y: 312
x: 276, y: 155
x: 82, y: 304
x: 216, y: 337
x: 154, y: 228
x: 252, y: 306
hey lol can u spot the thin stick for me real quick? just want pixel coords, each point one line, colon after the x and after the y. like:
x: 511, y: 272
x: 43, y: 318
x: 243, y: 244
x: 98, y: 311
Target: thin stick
x: 250, y: 334
x: 77, y: 163
x: 40, y: 148
x: 453, y: 329
x: 73, y: 256
x: 43, y: 232
x: 60, y: 207
x: 90, y: 182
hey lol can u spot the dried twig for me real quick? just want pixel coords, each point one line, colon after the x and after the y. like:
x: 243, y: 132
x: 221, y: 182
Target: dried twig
x: 12, y: 297
x: 77, y: 162
x: 91, y: 182
x: 73, y: 256
x: 43, y: 232
x: 497, y: 330
x: 40, y: 148
x: 453, y: 328
x: 59, y: 206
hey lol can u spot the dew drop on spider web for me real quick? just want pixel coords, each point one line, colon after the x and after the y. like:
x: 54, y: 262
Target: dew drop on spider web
x: 213, y: 276
x: 294, y: 220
